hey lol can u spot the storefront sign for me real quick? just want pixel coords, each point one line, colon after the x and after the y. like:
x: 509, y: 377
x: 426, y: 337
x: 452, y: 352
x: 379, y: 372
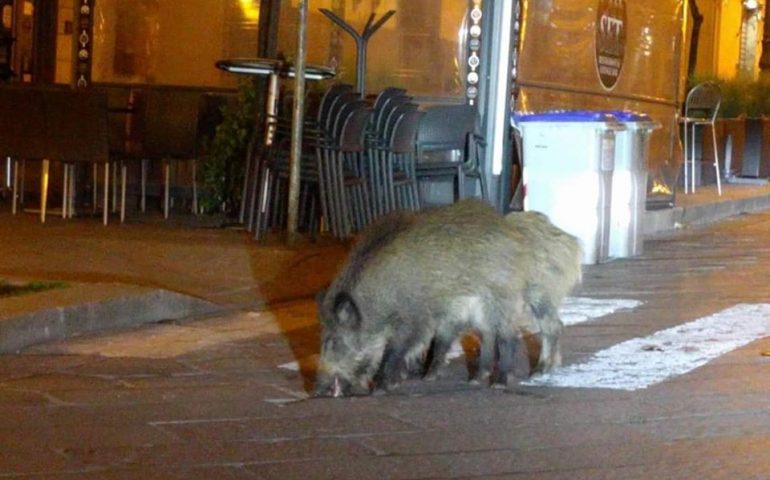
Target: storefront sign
x: 611, y: 30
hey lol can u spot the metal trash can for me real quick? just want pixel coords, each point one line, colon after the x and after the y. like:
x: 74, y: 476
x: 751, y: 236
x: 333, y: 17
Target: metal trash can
x: 568, y: 162
x: 629, y: 183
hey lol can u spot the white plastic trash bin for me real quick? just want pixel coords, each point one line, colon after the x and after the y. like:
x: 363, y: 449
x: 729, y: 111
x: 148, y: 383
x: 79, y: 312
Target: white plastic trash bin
x: 629, y: 184
x: 567, y: 173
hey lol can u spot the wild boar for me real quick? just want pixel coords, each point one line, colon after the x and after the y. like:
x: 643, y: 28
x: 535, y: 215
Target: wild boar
x: 416, y: 279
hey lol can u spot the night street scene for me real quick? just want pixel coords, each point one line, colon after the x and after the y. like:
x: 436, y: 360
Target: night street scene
x: 384, y: 239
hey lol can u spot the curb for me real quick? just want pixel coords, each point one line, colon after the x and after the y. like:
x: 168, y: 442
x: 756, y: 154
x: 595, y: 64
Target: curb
x: 57, y: 323
x: 660, y: 221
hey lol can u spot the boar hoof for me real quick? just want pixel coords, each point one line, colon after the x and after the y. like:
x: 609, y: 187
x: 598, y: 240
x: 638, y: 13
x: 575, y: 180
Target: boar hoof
x: 500, y: 380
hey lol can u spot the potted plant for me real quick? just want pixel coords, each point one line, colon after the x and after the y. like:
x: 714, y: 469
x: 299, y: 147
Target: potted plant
x: 223, y: 169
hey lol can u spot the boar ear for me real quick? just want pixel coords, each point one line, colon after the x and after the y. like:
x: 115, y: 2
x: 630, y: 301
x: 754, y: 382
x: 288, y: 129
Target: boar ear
x: 346, y: 311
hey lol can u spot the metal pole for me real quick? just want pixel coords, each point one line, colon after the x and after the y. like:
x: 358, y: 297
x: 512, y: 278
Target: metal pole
x: 296, y: 131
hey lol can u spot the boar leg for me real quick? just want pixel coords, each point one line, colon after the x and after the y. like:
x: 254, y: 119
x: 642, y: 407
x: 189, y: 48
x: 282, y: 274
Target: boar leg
x: 547, y: 317
x: 439, y: 350
x: 447, y: 333
x: 394, y: 366
x: 486, y: 357
x: 391, y: 369
x: 506, y: 345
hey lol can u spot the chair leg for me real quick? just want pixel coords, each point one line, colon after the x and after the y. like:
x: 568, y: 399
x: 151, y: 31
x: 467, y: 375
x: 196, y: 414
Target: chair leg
x: 106, y: 208
x: 65, y: 190
x: 483, y: 186
x: 114, y: 187
x: 692, y: 159
x: 321, y: 189
x: 143, y: 182
x: 686, y: 160
x: 716, y: 159
x: 263, y: 207
x: 73, y: 177
x: 14, y: 194
x: 44, y: 189
x: 460, y: 182
x: 167, y: 188
x: 95, y: 192
x: 245, y: 190
x: 23, y: 182
x: 256, y: 181
x: 123, y: 175
x: 195, y: 186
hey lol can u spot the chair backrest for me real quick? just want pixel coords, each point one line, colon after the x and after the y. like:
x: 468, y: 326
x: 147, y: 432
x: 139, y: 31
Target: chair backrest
x: 404, y: 136
x: 76, y: 125
x: 326, y: 123
x: 385, y: 94
x: 445, y: 128
x: 169, y: 122
x: 353, y: 129
x: 329, y: 99
x: 342, y: 116
x: 703, y: 101
x: 382, y: 114
x: 22, y: 122
x: 394, y: 116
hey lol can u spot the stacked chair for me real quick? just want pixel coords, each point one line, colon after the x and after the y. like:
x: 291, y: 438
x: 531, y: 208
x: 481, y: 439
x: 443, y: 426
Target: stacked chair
x: 359, y: 161
x: 331, y: 169
x: 391, y: 148
x: 450, y: 149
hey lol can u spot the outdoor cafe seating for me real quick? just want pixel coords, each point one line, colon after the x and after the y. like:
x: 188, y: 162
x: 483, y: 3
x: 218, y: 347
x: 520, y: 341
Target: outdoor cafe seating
x: 360, y: 160
x: 134, y: 141
x: 44, y: 124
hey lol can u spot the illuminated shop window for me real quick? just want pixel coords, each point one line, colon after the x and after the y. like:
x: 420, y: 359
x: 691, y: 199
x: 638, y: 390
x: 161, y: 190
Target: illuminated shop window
x: 420, y: 48
x: 171, y: 42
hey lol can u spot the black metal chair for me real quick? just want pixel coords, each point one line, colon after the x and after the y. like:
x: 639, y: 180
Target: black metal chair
x: 449, y: 147
x: 22, y: 123
x: 53, y: 123
x: 403, y: 162
x: 701, y: 109
x: 342, y: 181
x: 270, y: 178
x: 168, y: 134
x: 388, y: 164
x: 77, y: 133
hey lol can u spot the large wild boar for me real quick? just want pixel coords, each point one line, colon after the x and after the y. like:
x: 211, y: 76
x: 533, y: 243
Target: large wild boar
x: 555, y: 258
x: 416, y: 279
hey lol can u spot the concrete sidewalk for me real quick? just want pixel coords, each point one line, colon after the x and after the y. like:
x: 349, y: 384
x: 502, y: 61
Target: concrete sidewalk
x: 145, y: 270
x: 148, y: 270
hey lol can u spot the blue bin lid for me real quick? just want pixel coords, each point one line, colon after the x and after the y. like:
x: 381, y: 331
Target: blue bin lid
x: 581, y: 116
x: 563, y: 116
x: 628, y: 116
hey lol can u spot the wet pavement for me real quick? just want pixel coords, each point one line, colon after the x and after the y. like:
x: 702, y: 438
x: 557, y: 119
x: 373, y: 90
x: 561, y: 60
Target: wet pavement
x: 217, y: 397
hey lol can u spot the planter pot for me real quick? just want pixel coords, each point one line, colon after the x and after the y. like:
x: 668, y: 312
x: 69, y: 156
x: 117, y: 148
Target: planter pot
x: 756, y: 155
x: 749, y: 148
x: 734, y: 128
